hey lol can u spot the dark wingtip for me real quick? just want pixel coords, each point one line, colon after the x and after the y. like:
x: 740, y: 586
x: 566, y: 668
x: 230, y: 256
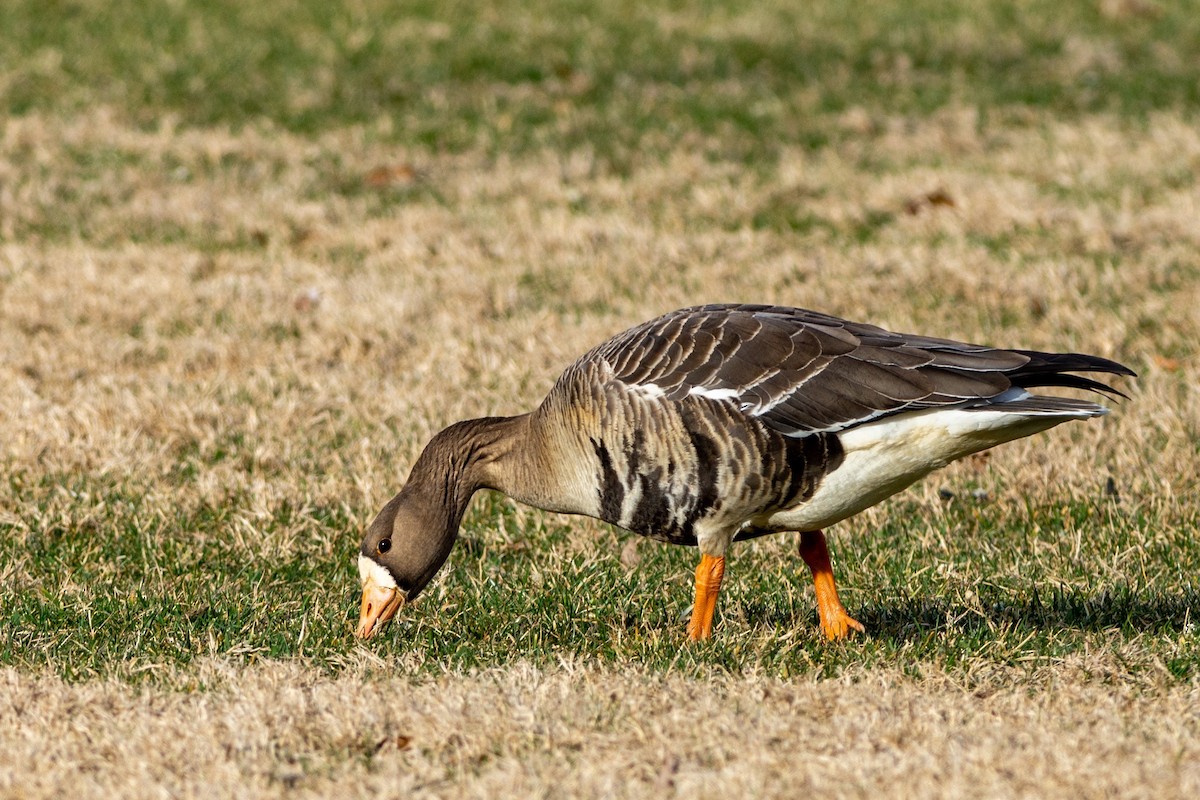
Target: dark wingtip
x: 1070, y: 382
x: 1120, y: 369
x: 1050, y: 369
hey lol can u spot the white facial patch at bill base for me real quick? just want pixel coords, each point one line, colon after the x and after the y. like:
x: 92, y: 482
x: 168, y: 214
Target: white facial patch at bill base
x: 369, y: 569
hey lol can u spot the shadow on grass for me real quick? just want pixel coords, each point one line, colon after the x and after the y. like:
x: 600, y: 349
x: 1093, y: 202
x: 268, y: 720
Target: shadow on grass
x: 1121, y: 608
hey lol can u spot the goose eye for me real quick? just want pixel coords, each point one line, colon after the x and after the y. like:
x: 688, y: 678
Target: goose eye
x: 385, y: 545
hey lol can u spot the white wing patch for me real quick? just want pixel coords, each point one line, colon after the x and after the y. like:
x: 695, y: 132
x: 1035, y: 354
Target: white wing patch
x: 651, y: 391
x: 713, y: 394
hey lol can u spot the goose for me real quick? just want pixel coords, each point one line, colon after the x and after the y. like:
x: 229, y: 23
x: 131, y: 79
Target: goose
x: 720, y: 423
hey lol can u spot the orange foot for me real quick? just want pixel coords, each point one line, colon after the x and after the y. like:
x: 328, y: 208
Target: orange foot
x: 835, y: 622
x: 708, y: 586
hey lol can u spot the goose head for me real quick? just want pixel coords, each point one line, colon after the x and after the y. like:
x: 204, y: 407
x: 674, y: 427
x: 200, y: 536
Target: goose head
x: 403, y: 549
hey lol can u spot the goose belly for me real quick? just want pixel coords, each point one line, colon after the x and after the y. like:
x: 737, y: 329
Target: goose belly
x: 885, y: 457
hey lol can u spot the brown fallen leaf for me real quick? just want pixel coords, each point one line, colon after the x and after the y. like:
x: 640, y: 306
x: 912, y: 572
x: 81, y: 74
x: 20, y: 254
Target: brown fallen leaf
x: 398, y: 742
x: 940, y: 197
x: 392, y: 175
x: 937, y: 197
x: 1169, y: 364
x: 307, y: 300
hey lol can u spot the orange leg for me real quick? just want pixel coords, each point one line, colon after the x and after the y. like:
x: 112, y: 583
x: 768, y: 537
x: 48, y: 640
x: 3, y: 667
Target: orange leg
x: 708, y: 585
x: 835, y: 622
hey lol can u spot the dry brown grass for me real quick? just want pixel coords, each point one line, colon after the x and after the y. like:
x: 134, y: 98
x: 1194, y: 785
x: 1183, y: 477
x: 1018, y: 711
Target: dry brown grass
x: 1066, y: 236
x: 185, y: 284
x: 1076, y: 729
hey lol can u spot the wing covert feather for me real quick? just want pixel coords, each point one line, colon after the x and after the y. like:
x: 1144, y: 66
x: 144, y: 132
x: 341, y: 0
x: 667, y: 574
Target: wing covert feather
x: 801, y: 371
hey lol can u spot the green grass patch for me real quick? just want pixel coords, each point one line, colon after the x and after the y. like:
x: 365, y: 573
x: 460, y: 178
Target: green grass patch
x: 625, y: 80
x: 117, y: 590
x: 179, y: 559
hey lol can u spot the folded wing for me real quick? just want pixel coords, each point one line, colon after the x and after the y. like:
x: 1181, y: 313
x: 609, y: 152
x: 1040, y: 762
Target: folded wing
x: 801, y: 371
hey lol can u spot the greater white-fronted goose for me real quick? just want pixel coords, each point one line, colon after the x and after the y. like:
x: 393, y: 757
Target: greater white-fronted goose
x: 719, y: 423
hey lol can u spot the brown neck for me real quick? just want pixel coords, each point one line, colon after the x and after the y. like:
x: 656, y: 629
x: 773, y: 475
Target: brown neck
x: 488, y: 453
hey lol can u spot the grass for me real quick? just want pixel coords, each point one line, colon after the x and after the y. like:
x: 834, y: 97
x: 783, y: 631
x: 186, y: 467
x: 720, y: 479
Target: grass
x: 624, y: 81
x: 252, y: 258
x: 122, y: 589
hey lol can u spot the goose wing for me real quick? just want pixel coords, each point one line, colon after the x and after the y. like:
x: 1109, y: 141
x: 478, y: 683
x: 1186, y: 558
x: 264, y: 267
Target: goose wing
x: 801, y: 371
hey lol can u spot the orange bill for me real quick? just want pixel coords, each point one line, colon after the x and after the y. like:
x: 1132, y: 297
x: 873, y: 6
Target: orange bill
x: 379, y: 605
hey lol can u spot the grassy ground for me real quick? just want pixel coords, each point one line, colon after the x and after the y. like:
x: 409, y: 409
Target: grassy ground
x: 252, y: 258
